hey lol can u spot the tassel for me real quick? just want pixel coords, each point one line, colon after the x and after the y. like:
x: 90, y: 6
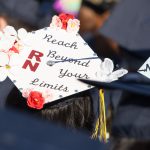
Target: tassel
x: 100, y: 127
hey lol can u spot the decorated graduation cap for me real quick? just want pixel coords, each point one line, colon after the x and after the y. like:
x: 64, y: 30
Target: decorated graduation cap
x: 45, y: 64
x: 145, y: 68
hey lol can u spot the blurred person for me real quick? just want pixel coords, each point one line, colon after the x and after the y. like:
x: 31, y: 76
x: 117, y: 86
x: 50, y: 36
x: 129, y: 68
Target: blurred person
x: 129, y: 28
x: 18, y: 13
x: 3, y: 21
x: 130, y: 36
x: 93, y: 15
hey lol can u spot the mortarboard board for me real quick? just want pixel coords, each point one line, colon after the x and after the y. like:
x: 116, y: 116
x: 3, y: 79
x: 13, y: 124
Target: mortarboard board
x: 45, y: 64
x: 132, y: 35
x: 133, y: 85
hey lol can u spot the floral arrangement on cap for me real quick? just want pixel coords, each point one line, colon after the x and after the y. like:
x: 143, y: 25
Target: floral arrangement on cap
x: 66, y: 22
x: 11, y: 42
x: 35, y: 98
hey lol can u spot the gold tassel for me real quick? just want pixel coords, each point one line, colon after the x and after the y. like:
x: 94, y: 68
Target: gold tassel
x: 100, y: 127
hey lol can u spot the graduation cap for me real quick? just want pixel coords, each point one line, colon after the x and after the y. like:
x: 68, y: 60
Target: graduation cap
x: 47, y: 61
x: 129, y: 28
x: 130, y: 34
x: 131, y: 119
x: 45, y: 64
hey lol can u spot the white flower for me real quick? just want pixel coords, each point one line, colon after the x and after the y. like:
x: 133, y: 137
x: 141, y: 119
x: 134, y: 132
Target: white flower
x: 22, y: 33
x: 106, y: 73
x: 4, y: 60
x: 3, y: 74
x: 6, y: 63
x: 73, y: 25
x: 56, y: 23
x: 9, y: 37
x: 9, y: 30
x: 6, y: 42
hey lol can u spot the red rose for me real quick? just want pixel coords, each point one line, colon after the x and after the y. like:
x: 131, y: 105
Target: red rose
x: 64, y: 19
x: 35, y: 100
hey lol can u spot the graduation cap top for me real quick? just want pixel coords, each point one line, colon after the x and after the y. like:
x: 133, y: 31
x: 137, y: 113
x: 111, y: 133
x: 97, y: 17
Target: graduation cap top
x: 45, y: 64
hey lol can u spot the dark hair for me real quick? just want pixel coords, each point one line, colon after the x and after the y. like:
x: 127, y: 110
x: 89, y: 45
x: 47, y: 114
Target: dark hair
x: 73, y: 111
x: 100, y: 7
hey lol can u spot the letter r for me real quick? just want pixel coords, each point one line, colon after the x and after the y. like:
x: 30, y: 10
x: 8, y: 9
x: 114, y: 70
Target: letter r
x: 35, y: 54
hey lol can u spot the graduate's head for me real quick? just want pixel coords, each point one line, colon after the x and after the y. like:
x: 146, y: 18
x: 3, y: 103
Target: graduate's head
x: 74, y: 111
x: 93, y: 14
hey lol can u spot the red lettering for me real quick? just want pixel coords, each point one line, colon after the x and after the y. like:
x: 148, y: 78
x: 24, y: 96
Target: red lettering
x: 35, y: 54
x: 32, y: 67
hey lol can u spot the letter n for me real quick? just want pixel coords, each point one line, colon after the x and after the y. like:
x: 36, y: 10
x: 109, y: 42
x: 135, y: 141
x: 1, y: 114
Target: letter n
x: 32, y: 67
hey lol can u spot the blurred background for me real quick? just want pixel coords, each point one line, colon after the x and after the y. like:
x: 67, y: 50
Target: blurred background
x: 116, y: 29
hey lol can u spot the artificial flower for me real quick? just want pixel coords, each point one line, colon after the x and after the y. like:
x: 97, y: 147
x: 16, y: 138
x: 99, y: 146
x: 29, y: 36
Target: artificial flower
x: 11, y: 41
x: 47, y: 95
x: 73, y: 25
x: 10, y: 31
x: 106, y: 71
x: 35, y: 100
x: 56, y: 22
x: 64, y: 19
x: 26, y: 93
x: 22, y: 33
x: 6, y: 63
x: 66, y: 22
x: 3, y: 74
x: 4, y: 60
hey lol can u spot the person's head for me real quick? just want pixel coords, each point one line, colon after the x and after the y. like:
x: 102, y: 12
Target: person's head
x: 74, y: 111
x: 93, y: 15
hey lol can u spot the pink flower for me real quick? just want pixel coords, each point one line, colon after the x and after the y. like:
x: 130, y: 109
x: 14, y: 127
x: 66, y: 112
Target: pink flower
x: 47, y: 96
x: 26, y: 93
x: 73, y: 25
x: 56, y: 22
x: 66, y: 22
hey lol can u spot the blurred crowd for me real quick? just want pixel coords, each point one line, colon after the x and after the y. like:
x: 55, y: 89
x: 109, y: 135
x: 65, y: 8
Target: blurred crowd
x: 115, y: 29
